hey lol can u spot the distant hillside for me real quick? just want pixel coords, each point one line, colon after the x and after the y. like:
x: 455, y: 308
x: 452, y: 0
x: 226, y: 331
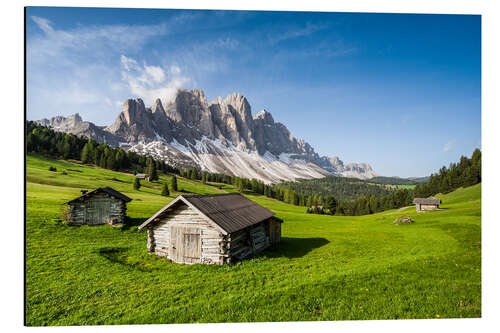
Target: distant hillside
x: 340, y: 187
x: 397, y: 180
x: 391, y: 181
x: 419, y: 179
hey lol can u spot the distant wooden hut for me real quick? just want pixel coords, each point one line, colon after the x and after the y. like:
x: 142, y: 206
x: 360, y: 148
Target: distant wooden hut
x: 100, y: 206
x: 142, y: 176
x: 426, y: 204
x: 211, y: 229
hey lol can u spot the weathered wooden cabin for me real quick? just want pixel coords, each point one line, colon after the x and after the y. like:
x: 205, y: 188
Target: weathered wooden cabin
x: 423, y: 204
x: 211, y: 229
x: 100, y: 206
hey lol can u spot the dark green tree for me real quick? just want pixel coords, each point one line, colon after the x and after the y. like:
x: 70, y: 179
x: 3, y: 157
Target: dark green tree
x: 164, y: 190
x: 86, y: 154
x: 331, y: 204
x: 174, y: 183
x: 137, y: 184
x: 151, y: 169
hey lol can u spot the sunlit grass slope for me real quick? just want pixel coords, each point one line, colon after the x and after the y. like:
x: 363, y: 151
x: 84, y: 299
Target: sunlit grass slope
x: 327, y: 267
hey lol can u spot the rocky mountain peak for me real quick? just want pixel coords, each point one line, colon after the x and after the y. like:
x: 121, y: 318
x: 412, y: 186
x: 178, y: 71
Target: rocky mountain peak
x: 133, y: 110
x: 265, y: 116
x: 240, y: 104
x: 220, y: 136
x: 336, y: 162
x: 75, y: 118
x: 158, y: 107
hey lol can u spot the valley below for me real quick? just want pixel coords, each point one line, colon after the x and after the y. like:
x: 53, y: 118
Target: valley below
x: 326, y: 268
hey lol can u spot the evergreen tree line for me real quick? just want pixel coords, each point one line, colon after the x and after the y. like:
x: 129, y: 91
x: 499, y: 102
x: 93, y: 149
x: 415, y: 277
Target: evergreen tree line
x: 392, y: 181
x: 340, y: 187
x: 329, y: 204
x: 46, y: 141
x: 465, y: 173
x: 364, y: 205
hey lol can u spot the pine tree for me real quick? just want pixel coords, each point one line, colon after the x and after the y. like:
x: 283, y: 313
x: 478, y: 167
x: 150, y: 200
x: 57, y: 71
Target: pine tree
x: 154, y: 172
x: 240, y: 184
x: 120, y: 159
x: 164, y: 190
x: 66, y: 150
x: 137, y: 184
x: 102, y: 161
x: 331, y: 204
x: 85, y: 154
x: 174, y: 183
x: 110, y: 161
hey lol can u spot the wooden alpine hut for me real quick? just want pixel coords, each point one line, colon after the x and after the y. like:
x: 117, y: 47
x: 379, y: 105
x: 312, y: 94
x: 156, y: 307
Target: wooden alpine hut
x: 100, y: 206
x: 211, y: 229
x: 426, y: 204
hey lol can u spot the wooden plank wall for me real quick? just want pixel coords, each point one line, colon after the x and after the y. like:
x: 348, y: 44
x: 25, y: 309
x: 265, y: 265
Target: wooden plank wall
x: 274, y: 227
x: 212, y: 241
x: 428, y: 207
x: 98, y: 209
x: 248, y: 242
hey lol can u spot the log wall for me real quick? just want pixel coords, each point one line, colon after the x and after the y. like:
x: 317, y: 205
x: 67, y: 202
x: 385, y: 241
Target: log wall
x: 97, y: 209
x: 185, y: 218
x: 428, y: 207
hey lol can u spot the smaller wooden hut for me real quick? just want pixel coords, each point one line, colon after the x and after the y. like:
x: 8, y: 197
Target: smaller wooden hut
x: 100, y: 206
x: 423, y: 204
x: 211, y: 229
x: 142, y: 176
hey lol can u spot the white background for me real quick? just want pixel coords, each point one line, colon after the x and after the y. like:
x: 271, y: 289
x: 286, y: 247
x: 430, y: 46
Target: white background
x: 12, y: 162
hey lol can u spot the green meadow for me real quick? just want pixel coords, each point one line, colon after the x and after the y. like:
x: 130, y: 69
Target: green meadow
x: 326, y: 268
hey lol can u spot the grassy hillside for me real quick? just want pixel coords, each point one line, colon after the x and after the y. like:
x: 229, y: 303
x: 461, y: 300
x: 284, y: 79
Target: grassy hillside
x: 327, y: 268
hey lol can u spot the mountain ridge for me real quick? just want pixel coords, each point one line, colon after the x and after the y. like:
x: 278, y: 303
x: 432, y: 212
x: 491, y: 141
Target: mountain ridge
x: 218, y: 136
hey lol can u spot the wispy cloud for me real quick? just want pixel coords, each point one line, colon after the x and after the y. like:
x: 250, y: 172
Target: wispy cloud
x: 152, y: 82
x: 449, y: 146
x: 79, y: 69
x: 90, y: 41
x: 296, y: 32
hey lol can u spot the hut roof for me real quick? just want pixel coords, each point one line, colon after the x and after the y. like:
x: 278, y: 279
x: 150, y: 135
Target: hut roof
x: 140, y: 175
x: 229, y: 212
x: 425, y: 201
x: 107, y: 190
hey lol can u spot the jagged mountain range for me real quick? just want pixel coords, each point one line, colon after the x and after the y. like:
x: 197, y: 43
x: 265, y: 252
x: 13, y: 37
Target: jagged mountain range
x: 221, y: 136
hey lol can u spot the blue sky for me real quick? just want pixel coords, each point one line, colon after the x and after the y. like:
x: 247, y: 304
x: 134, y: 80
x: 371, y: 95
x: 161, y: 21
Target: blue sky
x: 401, y: 92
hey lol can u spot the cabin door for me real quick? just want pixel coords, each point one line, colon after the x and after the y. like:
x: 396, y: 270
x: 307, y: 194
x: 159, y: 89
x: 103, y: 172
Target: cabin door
x: 185, y: 246
x: 97, y: 211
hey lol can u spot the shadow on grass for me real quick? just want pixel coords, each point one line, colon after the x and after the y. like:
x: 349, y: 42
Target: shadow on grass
x: 116, y: 255
x: 295, y: 247
x: 132, y: 223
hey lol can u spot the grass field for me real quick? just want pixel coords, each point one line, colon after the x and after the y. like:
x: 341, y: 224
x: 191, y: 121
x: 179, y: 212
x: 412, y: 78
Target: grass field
x: 327, y: 267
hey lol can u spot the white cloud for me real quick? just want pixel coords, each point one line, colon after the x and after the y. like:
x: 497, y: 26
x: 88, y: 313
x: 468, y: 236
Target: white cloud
x: 449, y: 146
x: 155, y: 73
x: 151, y: 82
x: 43, y: 24
x: 295, y: 32
x: 75, y: 70
x: 128, y: 63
